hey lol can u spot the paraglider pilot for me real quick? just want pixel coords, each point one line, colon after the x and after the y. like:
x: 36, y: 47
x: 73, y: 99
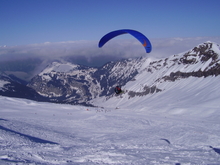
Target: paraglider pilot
x: 118, y: 90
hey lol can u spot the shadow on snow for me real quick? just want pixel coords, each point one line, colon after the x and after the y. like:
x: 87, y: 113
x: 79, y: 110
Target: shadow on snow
x: 31, y: 138
x: 217, y: 150
x: 166, y: 140
x: 3, y: 119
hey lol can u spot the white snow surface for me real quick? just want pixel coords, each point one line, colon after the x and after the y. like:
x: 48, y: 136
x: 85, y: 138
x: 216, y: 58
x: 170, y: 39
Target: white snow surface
x: 176, y: 126
x: 58, y: 67
x: 2, y: 83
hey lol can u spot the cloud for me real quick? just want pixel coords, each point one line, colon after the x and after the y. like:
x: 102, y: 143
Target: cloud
x: 170, y: 46
x: 88, y: 53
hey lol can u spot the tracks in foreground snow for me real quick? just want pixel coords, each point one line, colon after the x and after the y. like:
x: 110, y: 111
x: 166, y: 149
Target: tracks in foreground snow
x: 119, y: 136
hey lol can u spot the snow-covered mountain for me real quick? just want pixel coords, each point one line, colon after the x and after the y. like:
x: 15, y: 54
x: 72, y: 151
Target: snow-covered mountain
x: 198, y: 68
x: 70, y: 83
x: 201, y: 61
x: 65, y: 82
x: 168, y: 113
x: 12, y: 86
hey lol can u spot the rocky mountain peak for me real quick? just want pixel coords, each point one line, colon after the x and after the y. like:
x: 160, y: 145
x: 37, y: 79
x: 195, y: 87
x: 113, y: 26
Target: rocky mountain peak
x: 202, y: 52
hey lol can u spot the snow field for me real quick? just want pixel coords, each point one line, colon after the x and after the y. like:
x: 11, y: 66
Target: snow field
x: 45, y: 133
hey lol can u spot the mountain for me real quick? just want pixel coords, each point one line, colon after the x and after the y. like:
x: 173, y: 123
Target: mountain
x: 65, y: 82
x: 12, y: 86
x: 196, y: 69
x: 201, y: 61
x: 168, y: 113
x: 70, y: 83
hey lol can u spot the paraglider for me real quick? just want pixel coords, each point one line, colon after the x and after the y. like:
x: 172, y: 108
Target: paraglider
x: 142, y: 38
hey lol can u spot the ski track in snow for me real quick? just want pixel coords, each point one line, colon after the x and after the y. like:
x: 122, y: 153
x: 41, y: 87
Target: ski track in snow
x: 45, y: 133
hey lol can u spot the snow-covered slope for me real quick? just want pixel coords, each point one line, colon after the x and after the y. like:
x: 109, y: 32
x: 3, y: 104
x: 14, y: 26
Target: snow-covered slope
x: 143, y: 133
x: 197, y: 69
x: 168, y: 114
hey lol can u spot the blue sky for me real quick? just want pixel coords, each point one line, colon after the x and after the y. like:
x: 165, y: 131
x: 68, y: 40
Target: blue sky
x: 38, y: 21
x: 56, y: 28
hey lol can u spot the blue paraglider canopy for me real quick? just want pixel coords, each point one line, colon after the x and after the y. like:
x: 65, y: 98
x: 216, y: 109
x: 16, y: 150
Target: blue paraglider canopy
x: 142, y: 38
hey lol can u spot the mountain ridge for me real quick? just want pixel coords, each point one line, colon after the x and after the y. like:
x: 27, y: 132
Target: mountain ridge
x: 64, y: 82
x: 174, y: 72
